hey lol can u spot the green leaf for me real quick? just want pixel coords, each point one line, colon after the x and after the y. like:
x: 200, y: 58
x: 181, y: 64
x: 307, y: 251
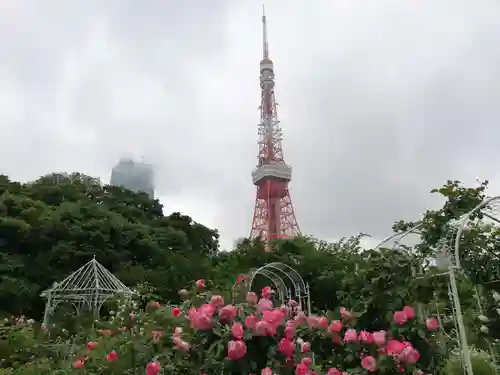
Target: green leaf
x: 271, y: 352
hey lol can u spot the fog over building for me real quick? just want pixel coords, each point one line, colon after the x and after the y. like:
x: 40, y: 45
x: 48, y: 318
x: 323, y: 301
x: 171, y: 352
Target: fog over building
x: 135, y: 176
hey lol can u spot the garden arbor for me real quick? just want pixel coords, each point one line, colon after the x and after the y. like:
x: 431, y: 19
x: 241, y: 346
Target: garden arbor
x: 86, y: 288
x: 485, y: 216
x: 287, y: 283
x: 406, y: 240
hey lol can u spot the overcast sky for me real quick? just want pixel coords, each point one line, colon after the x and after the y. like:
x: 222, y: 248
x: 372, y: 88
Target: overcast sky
x: 380, y: 101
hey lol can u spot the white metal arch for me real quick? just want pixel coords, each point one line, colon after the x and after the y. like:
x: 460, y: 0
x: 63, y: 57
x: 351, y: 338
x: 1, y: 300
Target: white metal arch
x: 395, y: 241
x: 399, y: 237
x: 287, y: 281
x: 486, y: 212
x: 489, y: 208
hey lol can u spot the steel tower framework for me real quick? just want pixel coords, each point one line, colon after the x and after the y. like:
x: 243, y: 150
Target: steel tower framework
x: 274, y: 216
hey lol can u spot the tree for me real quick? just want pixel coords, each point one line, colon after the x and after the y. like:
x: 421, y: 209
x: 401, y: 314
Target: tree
x: 54, y: 225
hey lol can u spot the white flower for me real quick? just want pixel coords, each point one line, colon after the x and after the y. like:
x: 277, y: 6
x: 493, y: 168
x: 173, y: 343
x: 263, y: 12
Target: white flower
x: 482, y: 318
x: 486, y: 227
x: 496, y: 296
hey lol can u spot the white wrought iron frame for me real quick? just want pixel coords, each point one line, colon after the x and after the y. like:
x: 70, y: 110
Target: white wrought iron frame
x: 288, y: 283
x: 395, y: 241
x: 86, y: 288
x: 449, y: 247
x: 489, y: 209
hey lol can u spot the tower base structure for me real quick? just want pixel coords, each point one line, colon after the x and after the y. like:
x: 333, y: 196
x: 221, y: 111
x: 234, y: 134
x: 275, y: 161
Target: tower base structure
x: 274, y: 216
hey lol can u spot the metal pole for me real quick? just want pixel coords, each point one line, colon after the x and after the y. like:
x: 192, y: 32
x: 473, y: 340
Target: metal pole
x: 460, y: 321
x: 490, y: 347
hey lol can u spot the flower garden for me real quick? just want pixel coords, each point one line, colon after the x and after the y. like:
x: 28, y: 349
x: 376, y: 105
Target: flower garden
x: 254, y: 335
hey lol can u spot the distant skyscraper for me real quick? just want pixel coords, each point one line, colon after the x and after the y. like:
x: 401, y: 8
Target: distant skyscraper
x: 134, y: 176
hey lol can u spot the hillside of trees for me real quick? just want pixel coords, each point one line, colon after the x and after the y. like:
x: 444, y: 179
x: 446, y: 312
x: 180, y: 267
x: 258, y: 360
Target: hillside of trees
x: 52, y: 226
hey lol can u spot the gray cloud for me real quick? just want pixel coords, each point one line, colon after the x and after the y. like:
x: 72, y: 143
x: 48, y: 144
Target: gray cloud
x: 379, y: 100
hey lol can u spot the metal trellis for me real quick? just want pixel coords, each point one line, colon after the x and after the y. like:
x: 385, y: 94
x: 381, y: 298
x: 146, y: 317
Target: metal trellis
x: 86, y: 288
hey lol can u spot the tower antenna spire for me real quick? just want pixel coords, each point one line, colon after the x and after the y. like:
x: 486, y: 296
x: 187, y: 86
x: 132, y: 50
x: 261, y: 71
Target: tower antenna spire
x: 265, y: 46
x: 274, y: 216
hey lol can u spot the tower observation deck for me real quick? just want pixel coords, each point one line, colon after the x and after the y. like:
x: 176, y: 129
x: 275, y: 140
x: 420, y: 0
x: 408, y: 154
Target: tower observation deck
x: 274, y: 216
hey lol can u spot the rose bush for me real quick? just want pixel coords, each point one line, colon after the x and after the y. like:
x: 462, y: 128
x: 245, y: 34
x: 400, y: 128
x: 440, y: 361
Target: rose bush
x: 207, y: 335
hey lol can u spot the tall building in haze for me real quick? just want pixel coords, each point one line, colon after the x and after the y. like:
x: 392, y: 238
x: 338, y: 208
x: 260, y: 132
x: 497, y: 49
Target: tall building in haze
x: 134, y: 176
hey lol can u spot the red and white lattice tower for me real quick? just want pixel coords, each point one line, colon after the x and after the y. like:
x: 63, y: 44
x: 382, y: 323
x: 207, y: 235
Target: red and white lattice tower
x: 273, y: 216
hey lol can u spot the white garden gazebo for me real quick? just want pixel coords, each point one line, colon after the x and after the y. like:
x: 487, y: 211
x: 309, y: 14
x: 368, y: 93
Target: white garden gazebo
x: 86, y: 288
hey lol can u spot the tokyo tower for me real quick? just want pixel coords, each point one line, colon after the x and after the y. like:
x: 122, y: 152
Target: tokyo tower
x: 273, y: 216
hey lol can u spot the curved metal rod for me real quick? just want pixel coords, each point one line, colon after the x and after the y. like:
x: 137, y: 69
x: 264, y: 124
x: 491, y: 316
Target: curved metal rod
x: 270, y: 275
x: 297, y: 278
x: 276, y: 279
x: 465, y: 221
x: 401, y: 235
x: 272, y: 266
x: 276, y: 267
x: 277, y: 270
x: 441, y: 326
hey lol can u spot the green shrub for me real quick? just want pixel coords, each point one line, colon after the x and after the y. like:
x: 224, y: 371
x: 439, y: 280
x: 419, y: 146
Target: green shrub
x: 481, y: 364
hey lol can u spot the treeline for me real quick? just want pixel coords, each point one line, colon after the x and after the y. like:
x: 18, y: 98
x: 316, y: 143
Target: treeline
x: 52, y: 226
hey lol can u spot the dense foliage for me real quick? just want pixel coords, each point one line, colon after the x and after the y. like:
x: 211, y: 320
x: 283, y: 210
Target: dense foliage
x: 51, y: 227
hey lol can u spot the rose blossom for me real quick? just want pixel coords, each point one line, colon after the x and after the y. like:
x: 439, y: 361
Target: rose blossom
x: 252, y: 298
x: 200, y: 284
x: 286, y: 347
x: 335, y: 326
x: 228, y: 313
x: 365, y: 337
x: 369, y: 363
x: 350, y: 335
x: 410, y: 313
x: 400, y: 318
x: 395, y: 347
x: 264, y: 304
x: 236, y: 350
x: 345, y: 314
x: 251, y: 321
x: 305, y: 347
x: 237, y: 331
x: 379, y: 338
x: 217, y: 301
x: 112, y: 356
x: 176, y: 311
x: 431, y: 324
x: 312, y: 321
x: 153, y: 368
x: 266, y: 292
x: 301, y: 369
